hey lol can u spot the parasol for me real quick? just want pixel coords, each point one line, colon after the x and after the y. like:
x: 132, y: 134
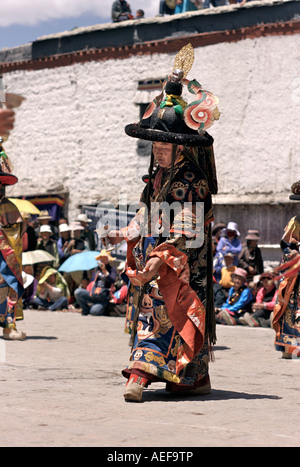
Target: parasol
x: 36, y: 256
x: 84, y: 261
x: 25, y: 206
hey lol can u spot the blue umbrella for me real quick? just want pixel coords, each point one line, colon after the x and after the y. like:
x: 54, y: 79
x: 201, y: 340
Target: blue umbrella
x: 80, y: 262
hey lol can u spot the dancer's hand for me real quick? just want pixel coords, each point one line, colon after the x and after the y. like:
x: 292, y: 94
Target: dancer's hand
x: 151, y: 268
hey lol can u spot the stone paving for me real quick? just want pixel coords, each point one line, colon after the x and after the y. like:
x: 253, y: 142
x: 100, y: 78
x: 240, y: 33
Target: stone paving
x: 63, y: 387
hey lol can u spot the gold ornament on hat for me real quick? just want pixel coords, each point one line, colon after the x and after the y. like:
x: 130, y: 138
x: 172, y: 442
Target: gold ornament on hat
x: 184, y: 60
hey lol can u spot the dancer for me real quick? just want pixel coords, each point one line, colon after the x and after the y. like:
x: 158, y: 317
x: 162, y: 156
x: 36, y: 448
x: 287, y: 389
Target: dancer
x: 170, y: 310
x: 286, y: 321
x: 11, y: 231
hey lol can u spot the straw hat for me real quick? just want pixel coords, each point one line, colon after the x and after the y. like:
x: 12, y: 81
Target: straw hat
x: 106, y: 254
x: 76, y: 226
x: 252, y: 235
x: 44, y: 215
x: 83, y: 218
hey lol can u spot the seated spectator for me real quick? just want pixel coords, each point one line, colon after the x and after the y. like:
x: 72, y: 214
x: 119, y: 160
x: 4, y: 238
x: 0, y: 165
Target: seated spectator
x: 120, y: 11
x: 183, y: 6
x: 87, y: 234
x: 52, y: 291
x: 29, y: 239
x: 218, y: 261
x: 167, y: 7
x: 217, y: 230
x: 226, y: 280
x: 219, y: 295
x: 78, y: 244
x: 230, y: 242
x: 250, y: 258
x: 64, y: 244
x: 118, y: 303
x: 44, y: 218
x: 94, y: 300
x: 48, y: 244
x: 31, y: 286
x: 238, y: 301
x: 264, y: 303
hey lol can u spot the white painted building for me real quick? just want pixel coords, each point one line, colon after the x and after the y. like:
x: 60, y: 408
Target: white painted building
x: 69, y: 135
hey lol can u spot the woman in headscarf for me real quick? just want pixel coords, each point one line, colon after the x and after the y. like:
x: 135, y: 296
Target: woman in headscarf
x: 52, y: 291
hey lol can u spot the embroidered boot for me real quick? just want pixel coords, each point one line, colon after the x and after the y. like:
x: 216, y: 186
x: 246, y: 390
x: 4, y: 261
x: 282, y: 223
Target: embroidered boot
x: 12, y: 334
x: 200, y: 388
x: 134, y: 388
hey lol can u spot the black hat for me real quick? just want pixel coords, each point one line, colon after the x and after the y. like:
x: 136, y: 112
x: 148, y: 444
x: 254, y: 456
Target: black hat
x: 6, y: 177
x: 296, y: 191
x: 170, y: 119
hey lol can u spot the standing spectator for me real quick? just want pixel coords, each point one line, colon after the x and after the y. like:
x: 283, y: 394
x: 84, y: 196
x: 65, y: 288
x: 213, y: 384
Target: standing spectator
x: 183, y: 6
x: 230, y: 242
x: 167, y: 7
x: 250, y: 258
x: 120, y: 11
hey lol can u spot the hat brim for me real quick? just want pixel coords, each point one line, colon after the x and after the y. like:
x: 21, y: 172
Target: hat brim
x: 136, y: 131
x: 105, y: 254
x: 7, y: 179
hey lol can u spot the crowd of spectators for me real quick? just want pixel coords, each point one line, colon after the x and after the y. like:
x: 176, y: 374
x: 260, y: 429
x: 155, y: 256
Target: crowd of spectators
x: 244, y: 293
x: 101, y: 290
x: 121, y: 10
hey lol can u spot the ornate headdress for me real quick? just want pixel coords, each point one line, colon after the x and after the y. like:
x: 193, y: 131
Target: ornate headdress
x: 171, y: 119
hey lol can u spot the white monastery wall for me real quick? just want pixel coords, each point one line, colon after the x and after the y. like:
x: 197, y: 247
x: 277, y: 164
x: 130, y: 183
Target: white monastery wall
x: 69, y: 133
